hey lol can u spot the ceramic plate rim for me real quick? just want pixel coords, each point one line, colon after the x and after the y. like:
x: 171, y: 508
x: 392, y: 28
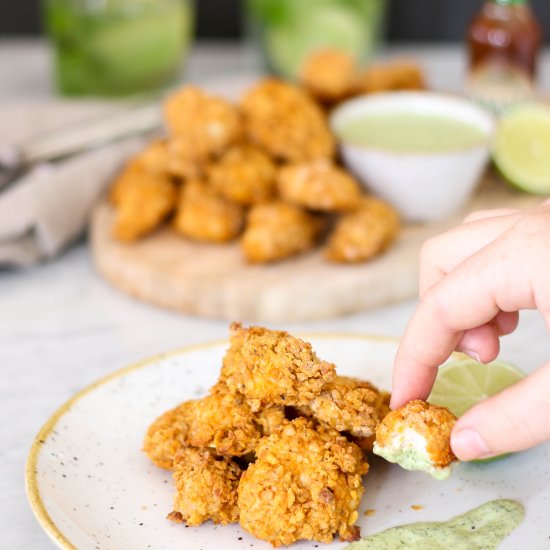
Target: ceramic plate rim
x: 31, y: 481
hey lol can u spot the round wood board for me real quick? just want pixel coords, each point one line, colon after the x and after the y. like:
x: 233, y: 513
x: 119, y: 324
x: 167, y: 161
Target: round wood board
x: 215, y: 281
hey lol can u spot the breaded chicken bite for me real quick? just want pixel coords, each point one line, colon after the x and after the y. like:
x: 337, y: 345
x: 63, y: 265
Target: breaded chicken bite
x: 143, y: 200
x: 395, y: 75
x: 206, y: 488
x: 417, y: 437
x: 329, y: 75
x: 363, y: 233
x: 168, y: 434
x: 319, y: 185
x: 273, y: 367
x: 348, y: 405
x: 224, y: 422
x: 204, y: 215
x: 244, y: 175
x: 204, y: 125
x: 181, y: 163
x: 304, y: 485
x: 277, y: 230
x: 286, y: 122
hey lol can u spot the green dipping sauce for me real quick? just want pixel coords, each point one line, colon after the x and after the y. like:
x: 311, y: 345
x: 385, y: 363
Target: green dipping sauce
x: 406, y: 132
x: 481, y: 528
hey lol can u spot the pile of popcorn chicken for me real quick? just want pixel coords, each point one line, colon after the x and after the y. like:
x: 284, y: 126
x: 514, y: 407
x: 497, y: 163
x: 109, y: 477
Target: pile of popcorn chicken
x: 264, y: 171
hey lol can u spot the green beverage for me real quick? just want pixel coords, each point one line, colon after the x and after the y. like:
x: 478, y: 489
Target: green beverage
x: 118, y: 47
x: 288, y: 31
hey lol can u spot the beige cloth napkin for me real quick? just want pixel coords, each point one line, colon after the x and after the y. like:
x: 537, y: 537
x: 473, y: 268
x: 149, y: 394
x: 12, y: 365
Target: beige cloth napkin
x: 49, y: 207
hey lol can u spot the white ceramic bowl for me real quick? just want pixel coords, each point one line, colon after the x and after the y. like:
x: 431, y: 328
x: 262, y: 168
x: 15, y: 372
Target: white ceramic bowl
x: 421, y: 186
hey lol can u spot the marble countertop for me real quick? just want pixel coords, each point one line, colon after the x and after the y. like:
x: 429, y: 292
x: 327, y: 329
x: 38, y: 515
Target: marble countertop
x: 62, y: 327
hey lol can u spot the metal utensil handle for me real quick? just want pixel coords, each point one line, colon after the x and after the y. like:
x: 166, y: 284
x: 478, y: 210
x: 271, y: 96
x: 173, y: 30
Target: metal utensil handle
x: 86, y: 135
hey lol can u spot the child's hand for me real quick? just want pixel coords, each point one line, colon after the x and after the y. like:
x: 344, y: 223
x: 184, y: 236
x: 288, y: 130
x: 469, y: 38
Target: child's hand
x: 473, y: 282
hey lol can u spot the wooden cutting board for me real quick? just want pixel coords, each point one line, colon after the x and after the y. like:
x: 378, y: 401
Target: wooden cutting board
x: 215, y: 281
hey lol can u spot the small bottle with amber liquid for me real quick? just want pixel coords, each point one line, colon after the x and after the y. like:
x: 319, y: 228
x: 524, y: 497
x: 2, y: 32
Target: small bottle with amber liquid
x: 504, y: 40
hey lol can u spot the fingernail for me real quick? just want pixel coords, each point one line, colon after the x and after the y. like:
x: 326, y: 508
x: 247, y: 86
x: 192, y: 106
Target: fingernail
x: 472, y: 353
x: 468, y: 445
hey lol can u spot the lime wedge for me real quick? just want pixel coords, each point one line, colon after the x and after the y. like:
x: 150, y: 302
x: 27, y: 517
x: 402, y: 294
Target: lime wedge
x: 463, y: 383
x: 522, y: 148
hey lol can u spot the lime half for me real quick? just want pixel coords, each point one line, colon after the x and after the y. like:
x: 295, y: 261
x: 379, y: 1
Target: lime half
x: 463, y: 383
x: 522, y: 148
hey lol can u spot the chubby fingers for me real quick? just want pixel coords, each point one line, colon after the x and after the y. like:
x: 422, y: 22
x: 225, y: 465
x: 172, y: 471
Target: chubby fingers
x: 513, y: 420
x: 470, y: 296
x: 443, y: 253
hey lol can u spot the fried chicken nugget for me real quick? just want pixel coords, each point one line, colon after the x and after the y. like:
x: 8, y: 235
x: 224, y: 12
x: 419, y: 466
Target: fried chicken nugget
x: 273, y: 367
x: 329, y: 75
x: 204, y: 215
x: 224, y: 422
x: 363, y: 233
x: 143, y: 200
x: 395, y: 75
x: 204, y: 125
x: 417, y: 437
x: 168, y: 434
x: 305, y: 484
x: 348, y: 405
x: 319, y: 185
x: 206, y: 486
x: 278, y: 230
x: 181, y: 162
x: 286, y: 122
x: 244, y: 175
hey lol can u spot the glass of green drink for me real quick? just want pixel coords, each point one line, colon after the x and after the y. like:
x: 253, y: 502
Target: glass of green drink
x: 118, y: 47
x: 288, y: 31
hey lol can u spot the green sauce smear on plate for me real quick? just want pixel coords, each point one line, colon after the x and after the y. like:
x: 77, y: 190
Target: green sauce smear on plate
x: 483, y: 528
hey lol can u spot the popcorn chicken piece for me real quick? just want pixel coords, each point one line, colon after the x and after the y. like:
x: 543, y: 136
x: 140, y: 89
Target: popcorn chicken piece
x: 304, y: 485
x: 348, y: 405
x: 417, y: 437
x: 395, y: 75
x: 319, y: 185
x: 273, y: 367
x: 204, y: 125
x: 244, y: 175
x: 329, y: 75
x: 204, y: 215
x: 168, y: 434
x: 286, y: 122
x: 206, y: 488
x: 363, y: 233
x: 277, y: 230
x: 143, y: 200
x: 182, y: 163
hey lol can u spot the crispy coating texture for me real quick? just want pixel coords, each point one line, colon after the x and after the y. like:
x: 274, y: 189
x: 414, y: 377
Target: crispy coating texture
x: 244, y: 175
x: 181, y: 162
x: 431, y: 422
x: 143, y: 200
x: 278, y: 230
x: 348, y: 405
x: 395, y: 75
x: 168, y: 434
x: 222, y: 421
x: 273, y: 367
x: 204, y: 215
x: 319, y: 185
x: 329, y: 75
x: 286, y: 122
x: 363, y: 233
x: 204, y: 125
x: 206, y: 488
x: 305, y: 484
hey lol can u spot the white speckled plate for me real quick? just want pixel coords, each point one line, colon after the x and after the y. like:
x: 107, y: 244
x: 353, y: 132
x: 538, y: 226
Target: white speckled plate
x: 91, y: 487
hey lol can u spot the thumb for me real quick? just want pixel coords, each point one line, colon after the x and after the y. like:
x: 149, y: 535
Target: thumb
x: 513, y: 420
